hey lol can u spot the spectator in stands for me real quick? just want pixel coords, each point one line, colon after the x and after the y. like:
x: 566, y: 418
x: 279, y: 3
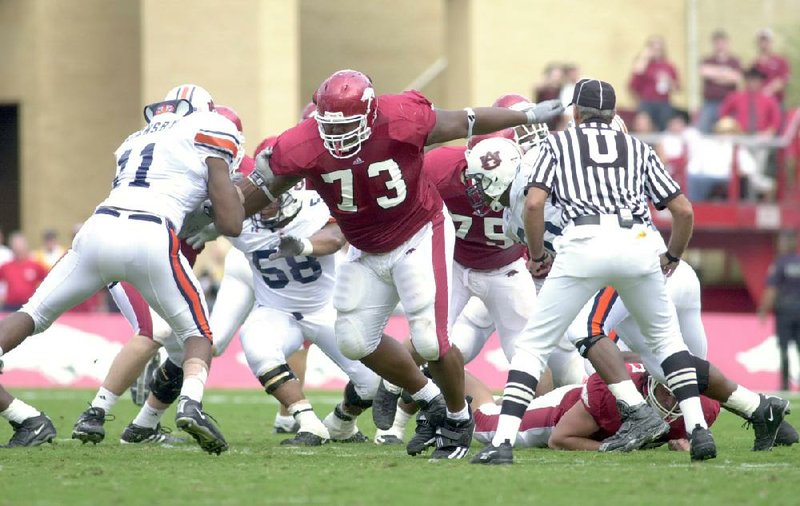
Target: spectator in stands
x: 756, y: 111
x: 675, y: 144
x: 721, y: 72
x: 642, y: 123
x: 21, y: 275
x: 773, y: 66
x: 654, y: 78
x: 550, y: 87
x: 782, y: 296
x: 5, y: 251
x: 51, y: 251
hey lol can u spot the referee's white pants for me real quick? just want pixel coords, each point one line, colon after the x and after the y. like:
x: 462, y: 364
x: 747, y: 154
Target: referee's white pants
x: 589, y: 258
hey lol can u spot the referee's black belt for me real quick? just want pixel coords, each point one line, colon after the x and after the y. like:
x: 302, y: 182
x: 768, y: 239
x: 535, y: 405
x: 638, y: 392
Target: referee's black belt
x: 594, y: 219
x: 133, y: 215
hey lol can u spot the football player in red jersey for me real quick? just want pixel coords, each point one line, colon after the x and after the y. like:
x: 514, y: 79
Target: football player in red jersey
x: 363, y: 154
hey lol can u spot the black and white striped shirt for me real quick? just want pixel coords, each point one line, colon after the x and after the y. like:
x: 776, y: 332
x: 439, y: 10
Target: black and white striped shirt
x: 593, y: 169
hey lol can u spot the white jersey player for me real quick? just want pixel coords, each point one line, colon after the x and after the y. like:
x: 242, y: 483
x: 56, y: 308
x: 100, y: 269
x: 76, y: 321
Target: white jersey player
x: 181, y: 158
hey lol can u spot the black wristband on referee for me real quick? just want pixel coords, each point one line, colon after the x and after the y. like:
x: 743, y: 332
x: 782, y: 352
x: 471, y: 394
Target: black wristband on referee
x: 541, y: 258
x: 672, y: 259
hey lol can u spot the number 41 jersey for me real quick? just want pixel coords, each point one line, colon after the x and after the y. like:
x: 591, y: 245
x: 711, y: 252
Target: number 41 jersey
x: 301, y: 284
x: 161, y: 169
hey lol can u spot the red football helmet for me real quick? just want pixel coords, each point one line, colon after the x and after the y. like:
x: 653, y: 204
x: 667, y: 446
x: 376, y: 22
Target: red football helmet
x: 268, y: 142
x: 346, y: 109
x: 308, y: 111
x: 229, y: 113
x: 527, y: 136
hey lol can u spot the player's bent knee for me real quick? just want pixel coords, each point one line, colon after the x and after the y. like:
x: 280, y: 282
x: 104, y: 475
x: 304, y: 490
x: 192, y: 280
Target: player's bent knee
x: 351, y: 340
x: 274, y: 378
x: 352, y: 398
x: 424, y: 338
x: 585, y: 344
x: 166, y: 382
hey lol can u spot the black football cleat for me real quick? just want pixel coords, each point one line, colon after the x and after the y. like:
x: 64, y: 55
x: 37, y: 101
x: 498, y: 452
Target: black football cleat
x: 384, y: 405
x: 136, y: 434
x: 424, y: 436
x: 388, y: 439
x: 453, y: 438
x: 701, y: 444
x: 32, y: 431
x: 641, y: 426
x: 358, y: 437
x: 435, y: 411
x: 766, y: 421
x: 304, y: 438
x: 495, y: 455
x: 191, y: 419
x: 787, y: 435
x: 89, y: 426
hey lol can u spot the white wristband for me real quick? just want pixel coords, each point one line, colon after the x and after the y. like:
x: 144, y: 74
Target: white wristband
x: 308, y: 248
x: 531, y: 116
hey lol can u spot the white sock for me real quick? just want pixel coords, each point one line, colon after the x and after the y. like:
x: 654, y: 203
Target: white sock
x: 284, y: 421
x: 458, y: 415
x: 193, y: 388
x: 401, y: 419
x: 507, y: 428
x: 692, y: 414
x: 105, y: 399
x: 743, y: 401
x: 149, y: 416
x: 18, y: 411
x: 426, y: 393
x: 303, y: 412
x: 626, y: 391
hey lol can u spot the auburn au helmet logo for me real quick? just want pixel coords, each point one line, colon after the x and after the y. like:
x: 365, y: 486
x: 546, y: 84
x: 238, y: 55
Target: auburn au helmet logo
x: 491, y: 160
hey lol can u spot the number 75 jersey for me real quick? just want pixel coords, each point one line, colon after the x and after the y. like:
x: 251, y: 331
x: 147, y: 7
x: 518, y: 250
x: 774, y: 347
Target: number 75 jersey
x: 161, y: 169
x: 301, y: 284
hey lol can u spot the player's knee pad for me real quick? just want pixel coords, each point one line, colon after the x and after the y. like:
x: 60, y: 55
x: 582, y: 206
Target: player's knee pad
x: 351, y: 397
x: 351, y: 339
x: 166, y: 382
x: 351, y: 286
x: 276, y: 377
x: 424, y: 337
x: 585, y: 344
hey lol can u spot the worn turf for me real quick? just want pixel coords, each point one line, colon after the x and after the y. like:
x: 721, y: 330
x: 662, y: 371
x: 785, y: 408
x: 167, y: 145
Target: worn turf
x: 257, y: 470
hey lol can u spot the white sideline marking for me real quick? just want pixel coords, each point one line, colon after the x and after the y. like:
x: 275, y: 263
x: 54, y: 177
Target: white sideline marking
x: 212, y: 398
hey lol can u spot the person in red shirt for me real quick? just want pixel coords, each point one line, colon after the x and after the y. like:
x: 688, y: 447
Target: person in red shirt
x: 721, y: 72
x: 654, y: 78
x: 774, y: 66
x: 756, y: 111
x: 21, y: 275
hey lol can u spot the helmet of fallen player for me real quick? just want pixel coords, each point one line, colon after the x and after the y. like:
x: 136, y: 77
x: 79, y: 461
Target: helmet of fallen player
x: 346, y: 107
x: 660, y: 398
x: 491, y: 166
x: 527, y: 136
x: 284, y: 208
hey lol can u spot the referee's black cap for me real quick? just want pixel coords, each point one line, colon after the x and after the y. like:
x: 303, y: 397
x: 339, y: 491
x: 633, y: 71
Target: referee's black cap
x: 595, y: 94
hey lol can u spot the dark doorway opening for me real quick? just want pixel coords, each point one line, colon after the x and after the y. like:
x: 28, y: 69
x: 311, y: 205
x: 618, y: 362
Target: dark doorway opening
x: 9, y: 168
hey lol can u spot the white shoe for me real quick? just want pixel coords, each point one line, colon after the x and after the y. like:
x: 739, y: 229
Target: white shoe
x: 388, y: 437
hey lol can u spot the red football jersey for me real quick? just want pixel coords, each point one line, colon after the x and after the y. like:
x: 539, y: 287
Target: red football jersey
x: 602, y: 405
x: 378, y: 196
x: 480, y: 241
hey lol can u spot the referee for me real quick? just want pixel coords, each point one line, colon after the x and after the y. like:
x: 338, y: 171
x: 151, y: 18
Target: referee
x: 601, y: 178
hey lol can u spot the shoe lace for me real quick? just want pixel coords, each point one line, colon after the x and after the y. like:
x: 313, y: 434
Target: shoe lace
x: 107, y: 417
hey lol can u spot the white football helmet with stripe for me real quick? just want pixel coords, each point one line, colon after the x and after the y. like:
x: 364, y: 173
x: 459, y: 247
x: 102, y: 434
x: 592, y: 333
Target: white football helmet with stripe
x: 199, y: 98
x: 491, y: 166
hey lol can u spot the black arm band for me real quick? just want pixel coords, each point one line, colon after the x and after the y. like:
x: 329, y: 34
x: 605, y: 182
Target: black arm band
x: 672, y: 259
x: 541, y: 258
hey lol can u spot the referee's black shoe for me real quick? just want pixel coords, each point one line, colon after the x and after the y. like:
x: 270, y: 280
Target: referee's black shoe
x: 641, y: 425
x: 495, y: 455
x: 701, y: 444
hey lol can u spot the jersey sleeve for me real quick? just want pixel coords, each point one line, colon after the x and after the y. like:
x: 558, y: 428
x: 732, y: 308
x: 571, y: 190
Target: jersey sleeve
x: 601, y: 404
x: 441, y: 166
x: 543, y: 169
x: 286, y: 153
x: 659, y: 185
x: 413, y: 117
x: 217, y: 136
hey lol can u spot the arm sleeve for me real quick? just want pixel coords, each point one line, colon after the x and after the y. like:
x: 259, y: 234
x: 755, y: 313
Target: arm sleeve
x: 439, y: 164
x: 601, y: 404
x: 217, y: 137
x: 544, y: 169
x: 412, y: 117
x: 659, y: 185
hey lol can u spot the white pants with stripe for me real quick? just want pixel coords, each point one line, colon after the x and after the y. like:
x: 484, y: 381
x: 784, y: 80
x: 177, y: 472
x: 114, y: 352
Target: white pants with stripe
x: 589, y: 258
x: 116, y: 248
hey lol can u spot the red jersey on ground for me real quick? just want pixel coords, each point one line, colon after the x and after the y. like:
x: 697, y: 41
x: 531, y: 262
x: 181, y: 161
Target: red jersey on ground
x: 602, y: 405
x: 378, y: 196
x: 21, y: 278
x: 480, y: 241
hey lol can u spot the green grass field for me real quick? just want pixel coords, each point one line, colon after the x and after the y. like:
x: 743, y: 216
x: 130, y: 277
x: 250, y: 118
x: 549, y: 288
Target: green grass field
x: 257, y: 470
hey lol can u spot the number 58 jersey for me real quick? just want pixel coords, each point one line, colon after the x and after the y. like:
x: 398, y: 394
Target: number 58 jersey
x: 301, y: 284
x: 161, y: 169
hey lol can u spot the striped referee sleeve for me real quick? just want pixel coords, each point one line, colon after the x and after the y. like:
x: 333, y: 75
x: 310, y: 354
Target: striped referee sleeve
x: 544, y: 169
x: 659, y: 185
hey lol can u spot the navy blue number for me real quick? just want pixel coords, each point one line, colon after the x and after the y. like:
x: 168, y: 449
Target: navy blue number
x: 141, y: 173
x: 123, y: 161
x: 276, y: 278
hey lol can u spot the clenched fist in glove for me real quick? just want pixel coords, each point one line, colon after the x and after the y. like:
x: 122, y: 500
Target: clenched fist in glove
x: 291, y: 246
x: 544, y: 111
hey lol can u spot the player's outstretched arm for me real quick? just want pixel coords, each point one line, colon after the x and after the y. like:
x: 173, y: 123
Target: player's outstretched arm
x: 452, y: 125
x: 228, y: 210
x: 574, y: 431
x: 326, y: 241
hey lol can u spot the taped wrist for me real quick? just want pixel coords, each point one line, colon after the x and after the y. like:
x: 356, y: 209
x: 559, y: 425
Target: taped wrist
x: 351, y: 397
x: 262, y: 184
x: 586, y: 343
x: 274, y: 378
x: 308, y: 248
x: 166, y: 382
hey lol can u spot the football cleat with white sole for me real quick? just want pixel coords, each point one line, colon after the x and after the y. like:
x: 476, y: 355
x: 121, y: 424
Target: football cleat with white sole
x: 303, y: 438
x: 89, y: 426
x: 453, y: 438
x: 32, y: 431
x: 388, y: 437
x: 136, y: 434
x: 766, y: 420
x: 495, y: 455
x: 191, y: 419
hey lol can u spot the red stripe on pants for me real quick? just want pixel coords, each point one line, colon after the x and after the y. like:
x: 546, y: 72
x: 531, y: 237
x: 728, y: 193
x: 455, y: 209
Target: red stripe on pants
x: 440, y: 279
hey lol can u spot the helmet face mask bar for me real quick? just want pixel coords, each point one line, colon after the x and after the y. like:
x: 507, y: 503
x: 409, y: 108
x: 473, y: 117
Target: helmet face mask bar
x: 281, y: 211
x: 477, y: 195
x: 346, y: 108
x: 348, y: 142
x: 668, y: 414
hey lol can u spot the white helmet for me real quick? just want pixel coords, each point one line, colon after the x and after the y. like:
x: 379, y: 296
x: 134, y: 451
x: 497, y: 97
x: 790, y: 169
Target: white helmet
x: 491, y: 166
x: 282, y: 210
x: 199, y: 98
x: 668, y: 414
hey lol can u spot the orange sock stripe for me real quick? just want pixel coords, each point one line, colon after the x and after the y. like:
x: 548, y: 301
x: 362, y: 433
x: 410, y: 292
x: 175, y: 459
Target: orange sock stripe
x: 601, y: 310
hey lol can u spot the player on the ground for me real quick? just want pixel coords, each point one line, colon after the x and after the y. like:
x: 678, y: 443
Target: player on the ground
x: 151, y: 332
x: 363, y: 153
x: 183, y: 156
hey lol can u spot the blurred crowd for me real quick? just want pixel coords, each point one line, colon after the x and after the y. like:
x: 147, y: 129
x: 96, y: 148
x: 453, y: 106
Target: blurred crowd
x: 735, y: 130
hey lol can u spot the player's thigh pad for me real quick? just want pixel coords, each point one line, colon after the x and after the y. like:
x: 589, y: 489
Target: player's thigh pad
x: 363, y: 303
x: 268, y: 338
